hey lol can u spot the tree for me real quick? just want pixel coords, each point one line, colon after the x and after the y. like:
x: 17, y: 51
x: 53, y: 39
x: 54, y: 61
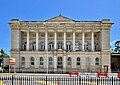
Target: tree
x: 117, y: 47
x: 3, y: 54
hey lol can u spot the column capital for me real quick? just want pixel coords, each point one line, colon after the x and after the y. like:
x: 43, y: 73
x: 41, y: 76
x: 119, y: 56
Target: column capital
x: 74, y: 30
x: 55, y: 31
x: 28, y: 31
x: 92, y: 30
x: 36, y: 30
x: 64, y: 30
x: 83, y: 31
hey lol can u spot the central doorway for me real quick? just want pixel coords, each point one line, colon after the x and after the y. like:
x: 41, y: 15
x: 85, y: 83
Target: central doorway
x: 59, y: 65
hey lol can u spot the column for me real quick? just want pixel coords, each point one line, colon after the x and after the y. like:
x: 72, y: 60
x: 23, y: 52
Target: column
x: 65, y: 40
x: 28, y: 40
x: 55, y: 63
x: 83, y: 34
x: 55, y: 40
x: 37, y: 40
x: 46, y: 40
x: 73, y: 41
x: 92, y: 41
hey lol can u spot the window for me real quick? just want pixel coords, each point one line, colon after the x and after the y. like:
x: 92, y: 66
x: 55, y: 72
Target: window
x: 78, y: 61
x: 23, y: 62
x: 34, y: 46
x: 86, y: 46
x: 59, y: 61
x: 50, y: 61
x: 77, y: 46
x: 25, y: 46
x: 97, y: 61
x: 59, y: 45
x: 42, y: 46
x: 41, y: 61
x: 32, y: 62
x: 68, y: 46
x: 95, y: 46
x: 51, y: 46
x: 69, y: 61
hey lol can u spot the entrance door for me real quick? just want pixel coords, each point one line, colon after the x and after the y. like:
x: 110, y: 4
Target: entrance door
x: 60, y: 65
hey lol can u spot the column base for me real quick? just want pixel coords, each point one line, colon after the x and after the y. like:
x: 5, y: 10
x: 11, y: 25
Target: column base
x: 27, y: 50
x: 36, y: 49
x: 55, y: 70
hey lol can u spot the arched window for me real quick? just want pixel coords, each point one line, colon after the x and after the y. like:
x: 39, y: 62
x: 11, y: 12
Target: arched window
x: 34, y: 46
x: 77, y: 46
x: 86, y: 46
x: 42, y: 46
x: 50, y: 61
x: 25, y: 46
x: 69, y: 61
x: 32, y: 61
x: 68, y: 46
x: 59, y: 45
x: 23, y: 62
x: 97, y: 61
x: 59, y: 61
x: 41, y: 61
x: 51, y: 46
x: 78, y: 61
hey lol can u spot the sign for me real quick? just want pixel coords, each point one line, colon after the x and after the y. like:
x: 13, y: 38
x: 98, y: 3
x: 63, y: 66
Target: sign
x: 112, y: 75
x: 73, y: 74
x: 102, y: 74
x: 12, y: 61
x: 118, y: 75
x: 88, y: 75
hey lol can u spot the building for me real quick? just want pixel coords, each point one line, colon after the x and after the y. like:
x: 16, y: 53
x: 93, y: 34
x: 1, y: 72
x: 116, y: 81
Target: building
x: 115, y: 62
x: 61, y: 44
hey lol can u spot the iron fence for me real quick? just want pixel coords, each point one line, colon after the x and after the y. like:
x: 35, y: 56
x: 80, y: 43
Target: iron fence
x: 56, y: 80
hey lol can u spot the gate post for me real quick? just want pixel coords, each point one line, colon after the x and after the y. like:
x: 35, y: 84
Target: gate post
x: 12, y: 79
x: 46, y: 80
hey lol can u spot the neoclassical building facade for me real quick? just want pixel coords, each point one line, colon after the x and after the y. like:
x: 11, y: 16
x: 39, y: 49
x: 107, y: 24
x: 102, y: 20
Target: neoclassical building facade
x: 61, y: 44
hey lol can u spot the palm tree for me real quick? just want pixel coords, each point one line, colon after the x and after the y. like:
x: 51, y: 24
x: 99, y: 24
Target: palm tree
x: 117, y: 46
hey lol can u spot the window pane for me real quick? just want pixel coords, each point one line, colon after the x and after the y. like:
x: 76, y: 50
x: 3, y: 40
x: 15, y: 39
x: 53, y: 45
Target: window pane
x: 32, y: 59
x: 69, y: 59
x: 32, y: 63
x: 97, y: 61
x: 23, y: 58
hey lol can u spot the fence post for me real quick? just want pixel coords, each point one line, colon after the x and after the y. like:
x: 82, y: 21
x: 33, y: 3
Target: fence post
x: 46, y: 80
x: 112, y: 80
x: 79, y: 80
x: 97, y: 80
x: 12, y: 79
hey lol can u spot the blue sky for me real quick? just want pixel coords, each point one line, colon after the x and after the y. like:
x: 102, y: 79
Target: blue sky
x: 45, y: 9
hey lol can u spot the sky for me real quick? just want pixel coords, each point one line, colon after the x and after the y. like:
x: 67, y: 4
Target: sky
x: 46, y: 9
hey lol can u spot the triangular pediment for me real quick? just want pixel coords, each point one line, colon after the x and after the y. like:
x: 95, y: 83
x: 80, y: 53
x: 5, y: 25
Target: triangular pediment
x: 60, y: 18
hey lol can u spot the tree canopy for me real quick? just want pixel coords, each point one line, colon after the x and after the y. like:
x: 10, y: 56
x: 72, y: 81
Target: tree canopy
x: 3, y: 54
x: 116, y: 48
